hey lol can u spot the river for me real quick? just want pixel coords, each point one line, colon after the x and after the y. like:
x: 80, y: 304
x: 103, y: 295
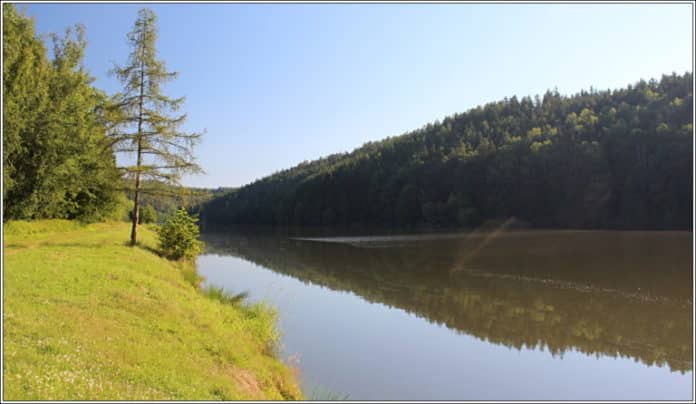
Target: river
x: 513, y: 315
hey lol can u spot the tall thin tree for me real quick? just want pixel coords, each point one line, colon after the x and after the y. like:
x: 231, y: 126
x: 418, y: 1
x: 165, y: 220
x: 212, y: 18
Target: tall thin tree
x: 142, y: 124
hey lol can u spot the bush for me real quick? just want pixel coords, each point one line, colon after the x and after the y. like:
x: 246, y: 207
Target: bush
x: 178, y: 236
x: 120, y: 210
x: 148, y: 214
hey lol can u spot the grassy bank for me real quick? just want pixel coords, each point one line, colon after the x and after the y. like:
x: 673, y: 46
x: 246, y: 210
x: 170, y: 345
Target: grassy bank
x: 87, y: 317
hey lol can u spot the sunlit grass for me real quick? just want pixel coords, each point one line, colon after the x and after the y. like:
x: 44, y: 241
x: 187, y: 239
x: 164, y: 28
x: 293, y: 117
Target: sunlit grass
x: 219, y: 294
x: 88, y: 318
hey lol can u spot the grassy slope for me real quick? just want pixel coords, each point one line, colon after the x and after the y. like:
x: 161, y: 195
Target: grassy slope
x: 86, y: 317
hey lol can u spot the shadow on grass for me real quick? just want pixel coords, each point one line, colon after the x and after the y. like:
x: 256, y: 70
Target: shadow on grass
x: 144, y: 247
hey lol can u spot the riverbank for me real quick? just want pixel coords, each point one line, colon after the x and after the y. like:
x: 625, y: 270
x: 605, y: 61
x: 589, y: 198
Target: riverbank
x: 85, y: 317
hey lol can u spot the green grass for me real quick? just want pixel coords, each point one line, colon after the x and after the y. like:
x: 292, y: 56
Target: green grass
x: 224, y: 297
x: 88, y: 318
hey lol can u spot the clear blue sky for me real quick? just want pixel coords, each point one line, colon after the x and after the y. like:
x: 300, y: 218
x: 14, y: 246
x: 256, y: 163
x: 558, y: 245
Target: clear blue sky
x: 276, y: 84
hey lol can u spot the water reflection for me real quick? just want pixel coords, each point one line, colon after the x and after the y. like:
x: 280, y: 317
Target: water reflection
x: 606, y: 293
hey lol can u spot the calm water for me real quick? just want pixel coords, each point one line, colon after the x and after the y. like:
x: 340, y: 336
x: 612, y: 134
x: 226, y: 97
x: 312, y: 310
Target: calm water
x: 494, y: 316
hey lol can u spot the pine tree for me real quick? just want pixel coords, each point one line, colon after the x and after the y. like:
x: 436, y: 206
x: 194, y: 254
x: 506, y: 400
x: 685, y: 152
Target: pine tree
x: 142, y: 126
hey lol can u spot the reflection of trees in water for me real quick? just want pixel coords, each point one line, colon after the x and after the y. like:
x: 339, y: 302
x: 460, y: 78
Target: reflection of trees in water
x: 621, y: 295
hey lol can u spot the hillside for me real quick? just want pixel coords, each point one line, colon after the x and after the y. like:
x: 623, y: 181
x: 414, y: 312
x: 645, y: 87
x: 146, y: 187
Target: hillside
x: 597, y: 159
x: 165, y: 198
x: 86, y: 317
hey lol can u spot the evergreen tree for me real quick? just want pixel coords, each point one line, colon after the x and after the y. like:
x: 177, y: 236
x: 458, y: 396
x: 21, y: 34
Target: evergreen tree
x: 142, y: 126
x: 598, y: 159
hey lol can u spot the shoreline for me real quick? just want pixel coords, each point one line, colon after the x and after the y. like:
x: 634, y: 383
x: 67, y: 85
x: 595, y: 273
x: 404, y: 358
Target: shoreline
x: 86, y: 317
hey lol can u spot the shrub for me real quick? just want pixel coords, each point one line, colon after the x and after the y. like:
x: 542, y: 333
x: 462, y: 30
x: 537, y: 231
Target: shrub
x: 120, y: 210
x: 178, y: 236
x: 148, y: 214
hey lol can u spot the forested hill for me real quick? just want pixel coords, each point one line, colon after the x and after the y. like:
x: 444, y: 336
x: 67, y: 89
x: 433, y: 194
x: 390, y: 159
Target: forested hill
x: 598, y: 159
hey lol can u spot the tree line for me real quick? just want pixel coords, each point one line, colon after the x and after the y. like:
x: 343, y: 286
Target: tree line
x: 62, y: 134
x: 56, y: 159
x: 597, y: 159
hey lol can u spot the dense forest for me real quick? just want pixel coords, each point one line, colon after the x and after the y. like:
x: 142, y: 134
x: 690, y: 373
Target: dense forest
x: 598, y: 159
x: 166, y: 198
x: 58, y: 156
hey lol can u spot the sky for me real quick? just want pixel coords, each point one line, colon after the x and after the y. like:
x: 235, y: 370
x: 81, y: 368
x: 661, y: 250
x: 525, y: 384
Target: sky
x: 277, y: 84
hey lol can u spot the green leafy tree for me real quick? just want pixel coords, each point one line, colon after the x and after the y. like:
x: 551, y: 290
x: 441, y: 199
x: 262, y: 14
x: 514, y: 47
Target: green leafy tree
x: 56, y: 161
x: 83, y: 180
x: 26, y: 73
x: 143, y: 126
x: 178, y: 236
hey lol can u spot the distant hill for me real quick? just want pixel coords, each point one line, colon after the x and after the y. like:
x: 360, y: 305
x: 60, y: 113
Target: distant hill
x: 166, y: 198
x: 597, y: 159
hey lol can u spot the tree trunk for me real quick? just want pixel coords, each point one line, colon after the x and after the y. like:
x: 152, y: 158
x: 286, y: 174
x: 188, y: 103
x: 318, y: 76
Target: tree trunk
x: 136, y: 216
x: 136, y: 203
